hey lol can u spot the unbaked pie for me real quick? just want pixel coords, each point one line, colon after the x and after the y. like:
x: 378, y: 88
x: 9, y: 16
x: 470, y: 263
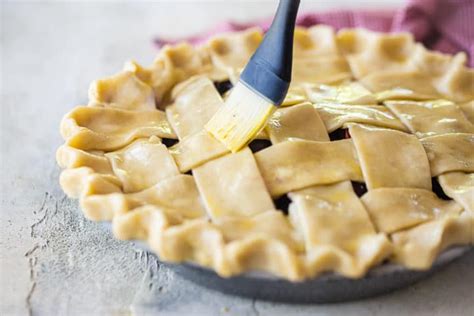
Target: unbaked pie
x: 370, y: 158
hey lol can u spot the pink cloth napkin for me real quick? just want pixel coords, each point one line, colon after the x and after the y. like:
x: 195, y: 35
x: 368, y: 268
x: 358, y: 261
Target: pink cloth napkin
x: 443, y: 25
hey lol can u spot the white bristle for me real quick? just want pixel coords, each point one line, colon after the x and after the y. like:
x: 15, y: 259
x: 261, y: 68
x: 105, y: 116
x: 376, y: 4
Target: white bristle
x: 241, y: 118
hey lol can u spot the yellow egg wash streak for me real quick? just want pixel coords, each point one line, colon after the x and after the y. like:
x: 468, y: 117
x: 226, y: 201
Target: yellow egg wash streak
x: 243, y: 115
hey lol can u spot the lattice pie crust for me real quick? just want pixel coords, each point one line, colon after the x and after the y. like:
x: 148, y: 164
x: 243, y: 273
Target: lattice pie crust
x: 363, y: 108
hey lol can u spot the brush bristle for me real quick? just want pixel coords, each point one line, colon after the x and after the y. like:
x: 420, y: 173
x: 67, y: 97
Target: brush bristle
x: 243, y: 115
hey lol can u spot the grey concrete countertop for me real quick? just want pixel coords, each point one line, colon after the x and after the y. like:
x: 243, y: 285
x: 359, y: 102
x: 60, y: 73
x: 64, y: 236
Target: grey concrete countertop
x: 53, y: 261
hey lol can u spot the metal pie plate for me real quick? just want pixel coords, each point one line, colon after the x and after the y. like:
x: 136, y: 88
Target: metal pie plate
x: 326, y: 288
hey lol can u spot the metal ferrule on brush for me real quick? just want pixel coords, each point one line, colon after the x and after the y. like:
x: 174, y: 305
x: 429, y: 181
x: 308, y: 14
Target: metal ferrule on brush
x: 259, y: 77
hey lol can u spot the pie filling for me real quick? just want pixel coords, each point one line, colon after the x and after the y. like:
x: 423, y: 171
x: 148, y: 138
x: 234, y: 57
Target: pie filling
x: 369, y: 159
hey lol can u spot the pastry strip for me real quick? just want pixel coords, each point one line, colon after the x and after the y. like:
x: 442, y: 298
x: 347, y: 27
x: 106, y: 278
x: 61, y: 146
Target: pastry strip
x: 394, y: 209
x: 178, y: 193
x: 337, y: 115
x: 296, y: 122
x: 418, y: 247
x: 142, y: 164
x: 224, y: 181
x: 400, y: 156
x: 297, y: 164
x: 460, y: 187
x: 431, y: 117
x: 97, y: 128
x: 450, y: 152
x: 194, y: 103
x: 331, y: 217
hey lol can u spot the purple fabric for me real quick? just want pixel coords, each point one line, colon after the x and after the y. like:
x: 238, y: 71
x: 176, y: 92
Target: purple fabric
x: 443, y: 25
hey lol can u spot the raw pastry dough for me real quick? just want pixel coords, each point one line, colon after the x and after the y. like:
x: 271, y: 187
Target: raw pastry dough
x: 417, y: 248
x: 334, y: 223
x: 431, y: 118
x: 450, y: 152
x: 393, y: 209
x: 468, y: 109
x: 142, y: 164
x: 387, y: 61
x: 298, y: 121
x: 84, y: 181
x: 297, y: 164
x: 399, y: 155
x: 193, y: 151
x: 317, y: 58
x: 347, y: 93
x: 69, y: 157
x: 271, y: 223
x: 223, y: 181
x: 194, y: 103
x: 124, y: 90
x: 231, y: 52
x: 125, y: 155
x: 179, y: 194
x: 460, y: 187
x: 337, y: 115
x: 97, y: 128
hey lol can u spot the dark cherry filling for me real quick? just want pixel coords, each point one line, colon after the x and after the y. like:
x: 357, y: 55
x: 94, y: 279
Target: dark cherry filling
x: 438, y: 190
x: 168, y: 142
x: 259, y: 144
x: 223, y: 86
x: 347, y: 135
x: 340, y: 133
x: 359, y: 188
x: 282, y: 203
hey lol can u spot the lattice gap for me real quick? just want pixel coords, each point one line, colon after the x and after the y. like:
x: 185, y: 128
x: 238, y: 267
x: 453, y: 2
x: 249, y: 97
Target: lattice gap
x: 436, y: 187
x: 338, y: 134
x: 168, y: 142
x: 259, y: 144
x: 223, y: 86
x: 359, y: 188
x: 282, y: 203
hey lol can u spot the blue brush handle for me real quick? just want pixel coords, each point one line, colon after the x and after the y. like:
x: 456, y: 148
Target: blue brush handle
x: 269, y: 70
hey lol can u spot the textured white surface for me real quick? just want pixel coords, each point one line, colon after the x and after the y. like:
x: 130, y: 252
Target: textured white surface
x: 53, y: 261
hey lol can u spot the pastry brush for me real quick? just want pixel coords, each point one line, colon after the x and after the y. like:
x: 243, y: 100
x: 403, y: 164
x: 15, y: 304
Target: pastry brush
x: 262, y: 86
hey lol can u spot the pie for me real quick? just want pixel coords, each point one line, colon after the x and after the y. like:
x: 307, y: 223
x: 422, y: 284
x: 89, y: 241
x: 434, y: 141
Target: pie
x: 370, y: 159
